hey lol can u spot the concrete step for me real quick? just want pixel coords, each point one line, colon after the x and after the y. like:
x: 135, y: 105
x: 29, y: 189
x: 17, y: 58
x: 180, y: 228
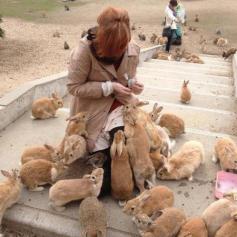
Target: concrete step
x: 169, y: 66
x: 215, y: 57
x: 213, y: 120
x: 199, y: 100
x: 195, y: 86
x: 191, y: 65
x: 183, y: 75
x: 32, y: 211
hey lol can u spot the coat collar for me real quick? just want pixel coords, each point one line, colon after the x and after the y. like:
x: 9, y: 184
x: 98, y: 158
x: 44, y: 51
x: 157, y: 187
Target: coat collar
x: 131, y: 51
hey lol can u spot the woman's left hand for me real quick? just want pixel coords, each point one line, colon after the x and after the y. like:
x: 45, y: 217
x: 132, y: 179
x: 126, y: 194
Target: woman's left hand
x: 137, y: 87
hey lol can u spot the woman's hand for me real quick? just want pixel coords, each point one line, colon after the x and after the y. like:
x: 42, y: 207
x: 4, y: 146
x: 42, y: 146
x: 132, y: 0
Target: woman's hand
x: 137, y: 87
x: 120, y: 89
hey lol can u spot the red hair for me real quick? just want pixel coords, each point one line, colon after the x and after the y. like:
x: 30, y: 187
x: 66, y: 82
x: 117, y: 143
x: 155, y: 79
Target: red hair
x: 113, y: 33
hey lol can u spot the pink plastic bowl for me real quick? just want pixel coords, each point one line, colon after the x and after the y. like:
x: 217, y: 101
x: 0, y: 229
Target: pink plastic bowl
x: 225, y: 182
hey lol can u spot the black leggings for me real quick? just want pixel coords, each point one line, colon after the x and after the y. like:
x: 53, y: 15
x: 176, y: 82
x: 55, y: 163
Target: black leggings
x: 168, y: 44
x: 106, y: 186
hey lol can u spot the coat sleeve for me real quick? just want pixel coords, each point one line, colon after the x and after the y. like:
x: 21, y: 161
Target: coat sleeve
x: 78, y: 72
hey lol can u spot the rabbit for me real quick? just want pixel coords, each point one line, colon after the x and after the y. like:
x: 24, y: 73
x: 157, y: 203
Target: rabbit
x: 150, y: 201
x: 229, y: 52
x: 196, y: 60
x: 45, y: 152
x: 153, y: 134
x: 138, y: 147
x: 77, y: 125
x: 167, y: 223
x: 218, y: 213
x: 177, y: 54
x: 44, y: 108
x: 164, y: 56
x: 39, y: 172
x: 221, y: 42
x: 92, y: 218
x: 74, y: 148
x: 65, y: 191
x: 10, y: 191
x: 121, y: 182
x: 185, y: 96
x: 153, y: 38
x: 226, y: 153
x: 229, y: 229
x: 161, y: 40
x: 183, y: 163
x: 142, y: 37
x: 173, y: 124
x: 81, y: 167
x: 157, y: 159
x: 194, y: 227
x: 196, y: 18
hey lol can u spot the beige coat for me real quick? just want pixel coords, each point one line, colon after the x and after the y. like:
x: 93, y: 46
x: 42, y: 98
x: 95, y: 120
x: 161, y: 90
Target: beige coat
x: 86, y: 75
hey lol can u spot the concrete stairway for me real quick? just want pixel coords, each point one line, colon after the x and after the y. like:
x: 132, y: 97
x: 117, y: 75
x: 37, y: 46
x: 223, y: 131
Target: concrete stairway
x: 211, y: 114
x: 213, y: 105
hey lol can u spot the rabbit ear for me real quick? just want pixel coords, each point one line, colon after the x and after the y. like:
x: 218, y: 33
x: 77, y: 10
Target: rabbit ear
x: 120, y: 148
x: 113, y: 150
x: 54, y: 95
x: 75, y: 117
x: 6, y: 174
x: 187, y: 82
x: 156, y: 215
x: 155, y: 106
x: 50, y: 148
x: 145, y: 195
x: 159, y: 109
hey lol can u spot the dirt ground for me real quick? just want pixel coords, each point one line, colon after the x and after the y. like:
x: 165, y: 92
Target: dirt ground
x: 30, y: 51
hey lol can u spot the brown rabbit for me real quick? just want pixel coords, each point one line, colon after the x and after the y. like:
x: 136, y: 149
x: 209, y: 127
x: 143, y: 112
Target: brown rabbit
x: 81, y: 167
x: 150, y: 201
x: 196, y: 60
x: 229, y: 52
x: 39, y: 172
x: 221, y: 42
x: 10, y: 191
x: 92, y: 218
x: 173, y: 124
x: 138, y: 146
x: 218, y: 213
x: 185, y: 96
x: 194, y: 227
x: 167, y: 224
x: 44, y: 108
x: 164, y: 56
x: 229, y: 229
x: 161, y: 40
x: 153, y: 38
x: 65, y: 191
x: 121, y: 182
x: 183, y: 163
x: 145, y: 120
x: 45, y: 152
x: 74, y: 148
x: 157, y: 159
x: 77, y: 125
x: 226, y: 153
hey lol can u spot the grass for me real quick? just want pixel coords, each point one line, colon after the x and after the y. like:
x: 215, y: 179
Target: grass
x: 30, y: 9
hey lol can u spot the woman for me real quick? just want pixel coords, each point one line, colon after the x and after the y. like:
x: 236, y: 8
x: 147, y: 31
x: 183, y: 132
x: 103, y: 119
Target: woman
x: 170, y: 22
x: 101, y: 75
